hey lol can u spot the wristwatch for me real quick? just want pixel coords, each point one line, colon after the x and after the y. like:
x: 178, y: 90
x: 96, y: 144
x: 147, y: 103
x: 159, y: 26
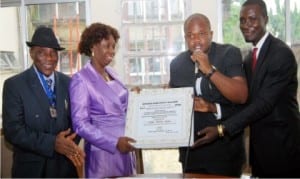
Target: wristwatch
x: 221, y: 130
x: 213, y: 70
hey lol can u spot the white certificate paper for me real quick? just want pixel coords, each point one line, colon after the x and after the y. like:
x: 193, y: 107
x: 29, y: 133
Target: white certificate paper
x: 160, y: 118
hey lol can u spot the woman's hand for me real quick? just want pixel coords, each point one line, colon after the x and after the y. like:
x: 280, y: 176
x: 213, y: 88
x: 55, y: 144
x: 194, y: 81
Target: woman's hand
x: 136, y: 89
x: 124, y: 145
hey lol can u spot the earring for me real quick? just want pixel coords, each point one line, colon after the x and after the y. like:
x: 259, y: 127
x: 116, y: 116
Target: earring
x: 93, y: 54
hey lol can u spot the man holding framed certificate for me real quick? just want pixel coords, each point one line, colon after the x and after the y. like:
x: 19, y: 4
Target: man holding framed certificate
x: 216, y: 73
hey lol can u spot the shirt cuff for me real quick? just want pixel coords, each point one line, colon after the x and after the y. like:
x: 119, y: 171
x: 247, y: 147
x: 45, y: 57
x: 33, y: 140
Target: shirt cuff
x: 218, y: 114
x: 197, y: 86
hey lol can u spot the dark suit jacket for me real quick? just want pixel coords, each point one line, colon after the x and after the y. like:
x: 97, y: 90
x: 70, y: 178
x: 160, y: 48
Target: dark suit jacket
x: 29, y: 127
x: 224, y: 153
x: 272, y: 111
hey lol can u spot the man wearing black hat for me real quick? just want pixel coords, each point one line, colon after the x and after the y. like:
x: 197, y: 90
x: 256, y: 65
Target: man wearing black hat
x: 36, y: 118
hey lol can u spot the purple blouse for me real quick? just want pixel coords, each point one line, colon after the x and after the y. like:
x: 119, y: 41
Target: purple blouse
x: 98, y: 111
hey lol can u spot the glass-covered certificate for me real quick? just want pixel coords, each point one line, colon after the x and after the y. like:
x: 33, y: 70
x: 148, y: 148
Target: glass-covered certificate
x: 160, y: 118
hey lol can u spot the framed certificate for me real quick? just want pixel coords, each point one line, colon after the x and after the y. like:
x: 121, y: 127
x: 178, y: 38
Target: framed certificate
x: 160, y: 118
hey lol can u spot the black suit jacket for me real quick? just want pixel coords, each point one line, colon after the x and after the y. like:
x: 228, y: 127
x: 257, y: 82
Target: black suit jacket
x: 29, y: 127
x: 272, y: 111
x: 227, y: 152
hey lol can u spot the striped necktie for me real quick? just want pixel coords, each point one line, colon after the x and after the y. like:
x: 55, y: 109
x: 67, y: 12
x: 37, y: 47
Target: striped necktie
x: 49, y: 83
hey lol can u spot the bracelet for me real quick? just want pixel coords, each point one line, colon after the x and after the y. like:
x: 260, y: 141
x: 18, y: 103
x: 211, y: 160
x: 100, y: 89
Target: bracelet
x: 213, y: 70
x: 220, y: 128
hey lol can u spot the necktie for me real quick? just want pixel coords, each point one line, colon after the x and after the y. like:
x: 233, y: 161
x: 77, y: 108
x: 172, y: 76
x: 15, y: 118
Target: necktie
x: 254, y: 58
x: 49, y: 83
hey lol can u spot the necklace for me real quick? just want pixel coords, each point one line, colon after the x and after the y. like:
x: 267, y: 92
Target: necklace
x: 101, y: 71
x: 106, y: 77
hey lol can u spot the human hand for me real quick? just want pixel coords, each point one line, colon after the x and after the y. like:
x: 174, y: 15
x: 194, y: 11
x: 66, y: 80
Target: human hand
x: 65, y: 145
x: 195, y: 51
x: 71, y: 136
x: 124, y: 145
x: 77, y: 157
x: 202, y: 61
x: 136, y: 89
x: 206, y: 135
x: 165, y: 86
x: 201, y: 105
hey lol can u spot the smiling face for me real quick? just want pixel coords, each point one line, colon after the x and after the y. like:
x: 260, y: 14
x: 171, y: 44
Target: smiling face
x: 198, y: 34
x: 104, y: 51
x: 252, y: 23
x: 45, y: 59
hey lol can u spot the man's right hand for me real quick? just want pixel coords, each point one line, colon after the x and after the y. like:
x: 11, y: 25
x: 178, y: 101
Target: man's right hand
x: 201, y: 105
x: 208, y: 135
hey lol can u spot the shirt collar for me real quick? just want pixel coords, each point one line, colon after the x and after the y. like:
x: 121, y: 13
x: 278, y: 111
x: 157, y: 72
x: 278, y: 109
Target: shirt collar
x: 45, y: 77
x: 260, y: 43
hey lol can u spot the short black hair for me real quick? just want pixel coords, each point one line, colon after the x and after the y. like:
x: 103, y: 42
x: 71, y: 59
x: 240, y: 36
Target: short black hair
x: 193, y: 16
x: 260, y: 3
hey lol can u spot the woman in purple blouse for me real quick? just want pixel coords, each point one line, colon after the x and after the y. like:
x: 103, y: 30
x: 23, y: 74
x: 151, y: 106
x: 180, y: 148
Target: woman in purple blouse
x: 98, y: 105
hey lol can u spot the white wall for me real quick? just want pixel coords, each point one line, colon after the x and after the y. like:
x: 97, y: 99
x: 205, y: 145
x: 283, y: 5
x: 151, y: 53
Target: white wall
x: 9, y: 30
x: 9, y: 41
x: 208, y: 8
x: 109, y: 12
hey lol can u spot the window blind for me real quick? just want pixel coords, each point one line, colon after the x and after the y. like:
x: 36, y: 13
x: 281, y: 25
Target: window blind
x: 10, y: 3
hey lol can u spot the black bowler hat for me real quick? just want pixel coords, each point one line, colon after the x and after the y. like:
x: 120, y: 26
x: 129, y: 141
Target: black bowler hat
x: 44, y: 37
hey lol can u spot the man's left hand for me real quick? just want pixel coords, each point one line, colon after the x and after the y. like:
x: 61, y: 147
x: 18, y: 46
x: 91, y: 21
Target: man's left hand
x: 207, y: 135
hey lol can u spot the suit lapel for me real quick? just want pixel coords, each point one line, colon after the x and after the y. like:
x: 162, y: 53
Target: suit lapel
x: 248, y: 69
x: 263, y: 52
x: 261, y: 62
x: 61, y: 97
x: 38, y: 90
x: 40, y: 95
x: 100, y: 83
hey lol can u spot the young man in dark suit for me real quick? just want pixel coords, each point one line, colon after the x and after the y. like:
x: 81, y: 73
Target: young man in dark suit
x: 36, y: 115
x: 216, y: 72
x: 272, y: 110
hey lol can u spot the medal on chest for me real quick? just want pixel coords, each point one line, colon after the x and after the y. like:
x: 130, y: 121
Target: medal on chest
x: 53, y: 112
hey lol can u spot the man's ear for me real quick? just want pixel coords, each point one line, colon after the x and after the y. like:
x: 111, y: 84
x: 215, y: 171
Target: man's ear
x: 31, y: 52
x: 267, y: 19
x: 211, y: 35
